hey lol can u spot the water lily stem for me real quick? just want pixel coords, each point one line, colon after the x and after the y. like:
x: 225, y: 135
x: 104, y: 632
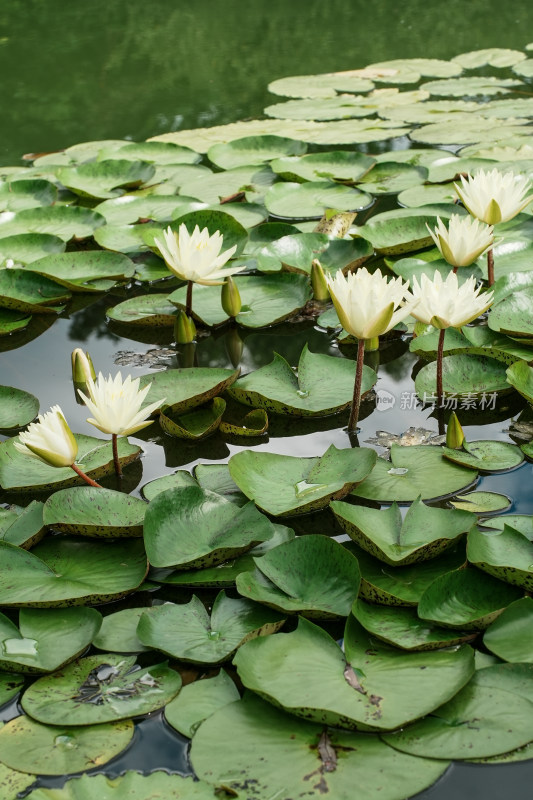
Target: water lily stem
x: 440, y: 351
x: 356, y: 402
x: 85, y: 477
x: 118, y: 468
x: 188, y: 301
x: 490, y: 265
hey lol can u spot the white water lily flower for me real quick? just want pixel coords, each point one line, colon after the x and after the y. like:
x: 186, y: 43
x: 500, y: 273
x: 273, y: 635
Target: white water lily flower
x: 116, y: 404
x: 445, y: 304
x: 49, y: 440
x: 494, y: 196
x: 465, y: 239
x: 368, y: 304
x: 196, y: 256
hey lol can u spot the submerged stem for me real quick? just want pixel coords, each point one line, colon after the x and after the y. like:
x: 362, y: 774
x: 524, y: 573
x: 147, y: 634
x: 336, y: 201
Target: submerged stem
x: 85, y: 477
x: 118, y: 468
x: 356, y: 401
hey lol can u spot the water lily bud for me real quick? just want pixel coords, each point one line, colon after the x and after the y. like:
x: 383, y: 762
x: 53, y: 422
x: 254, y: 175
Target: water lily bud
x: 184, y: 329
x: 319, y: 282
x: 372, y: 344
x: 454, y: 433
x: 82, y: 366
x: 230, y: 298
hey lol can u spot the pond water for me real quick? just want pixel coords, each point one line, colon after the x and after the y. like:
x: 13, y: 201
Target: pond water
x: 136, y: 70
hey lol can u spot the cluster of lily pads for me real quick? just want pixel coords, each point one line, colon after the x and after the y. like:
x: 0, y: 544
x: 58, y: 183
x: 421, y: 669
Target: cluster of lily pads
x: 336, y: 638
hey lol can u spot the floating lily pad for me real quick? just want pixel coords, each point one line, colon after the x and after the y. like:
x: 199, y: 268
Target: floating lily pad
x: 17, y: 407
x: 413, y: 472
x: 254, y: 181
x: 101, y: 688
x: 481, y: 502
x: 85, y: 270
x: 286, y: 485
x: 133, y: 785
x: 193, y: 527
x: 466, y: 599
x: 509, y: 636
x: 57, y: 750
x: 195, y: 424
x: 62, y: 572
x: 311, y: 199
x: 255, y: 423
x: 276, y: 753
x: 19, y: 472
x: 369, y: 686
x: 13, y: 782
x: 394, y: 235
x: 30, y: 293
x: 506, y: 554
x: 217, y: 478
x: 153, y: 152
x: 403, y: 628
x: 150, y: 310
x: 174, y: 481
x: 253, y: 150
x: 520, y: 376
x: 25, y: 528
x: 511, y: 316
x: 187, y: 632
x: 463, y: 374
x: 101, y: 178
x: 486, y: 456
x: 124, y: 238
x: 132, y: 208
x: 118, y: 633
x: 10, y: 685
x: 338, y: 165
x: 46, y: 639
x: 472, y: 339
x: 313, y: 575
x: 478, y: 722
x: 494, y: 57
x: 467, y: 130
x: 184, y: 389
x: 390, y: 177
x: 323, y: 386
x: 86, y: 511
x: 16, y: 195
x: 66, y: 222
x: 296, y: 253
x: 424, y: 533
x: 199, y: 700
x: 326, y: 85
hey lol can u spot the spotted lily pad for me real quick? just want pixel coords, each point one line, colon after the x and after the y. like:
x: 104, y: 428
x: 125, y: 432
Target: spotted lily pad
x: 476, y: 340
x: 509, y: 636
x: 253, y: 150
x: 506, y: 554
x: 424, y: 533
x: 11, y: 321
x: 311, y: 199
x: 184, y: 389
x: 296, y: 252
x: 13, y: 782
x: 195, y: 424
x: 30, y: 293
x: 187, y: 632
x: 101, y: 178
x: 46, y: 639
x: 86, y: 511
x: 481, y: 502
x: 17, y: 407
x: 286, y: 485
x: 101, y: 688
x: 66, y: 222
x: 150, y: 310
x: 86, y: 270
x: 338, y: 165
x: 16, y: 195
x: 313, y: 575
x: 200, y: 700
x: 486, y: 456
x: 255, y: 423
x: 133, y: 785
x: 464, y: 375
x: 26, y: 526
x: 10, y: 686
x: 323, y: 386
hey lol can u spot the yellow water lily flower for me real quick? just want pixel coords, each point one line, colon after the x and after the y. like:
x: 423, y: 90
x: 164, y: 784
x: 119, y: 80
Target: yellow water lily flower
x: 196, y: 256
x: 494, y: 196
x: 116, y: 404
x: 368, y: 304
x: 445, y: 304
x: 49, y: 440
x: 463, y: 241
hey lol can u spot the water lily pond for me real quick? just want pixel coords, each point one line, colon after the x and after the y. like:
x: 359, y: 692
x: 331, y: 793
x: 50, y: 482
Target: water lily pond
x: 266, y: 603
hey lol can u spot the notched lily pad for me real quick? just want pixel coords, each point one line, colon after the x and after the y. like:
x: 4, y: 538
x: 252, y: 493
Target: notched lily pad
x: 195, y: 424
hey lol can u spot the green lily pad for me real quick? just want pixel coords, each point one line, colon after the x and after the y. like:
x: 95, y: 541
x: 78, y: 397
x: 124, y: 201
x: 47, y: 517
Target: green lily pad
x: 187, y: 632
x: 326, y: 85
x: 468, y: 130
x: 199, y: 700
x: 402, y: 627
x: 412, y: 472
x: 323, y: 386
x: 102, y: 178
x: 494, y: 57
x: 253, y: 180
x: 481, y: 502
x: 19, y: 472
x: 13, y: 782
x: 253, y: 150
x: 336, y: 165
x: 369, y: 686
x: 174, y: 481
x: 286, y: 485
x: 506, y: 554
x: 466, y: 599
x: 153, y: 152
x: 311, y: 199
x: 16, y: 195
x: 524, y: 69
x: 199, y: 423
x: 78, y: 153
x: 511, y: 316
x: 132, y: 208
x: 62, y: 572
x: 509, y: 636
x: 424, y: 533
x: 255, y: 423
x: 478, y: 722
x: 17, y: 407
x: 31, y: 747
x: 184, y: 389
x: 30, y: 293
x: 390, y: 177
x: 11, y: 321
x: 520, y: 376
x: 46, y: 639
x: 402, y: 586
x: 66, y: 222
x: 486, y: 456
x: 476, y: 340
x: 217, y: 478
x: 399, y: 234
x: 26, y: 528
x: 82, y: 271
x: 96, y: 512
x: 276, y: 753
x: 470, y: 86
x: 150, y: 310
x: 296, y: 253
x: 118, y: 632
x: 124, y: 238
x: 132, y: 785
x: 192, y: 527
x: 464, y: 375
x: 422, y: 195
x: 313, y: 575
x: 101, y: 688
x: 323, y: 108
x: 10, y: 685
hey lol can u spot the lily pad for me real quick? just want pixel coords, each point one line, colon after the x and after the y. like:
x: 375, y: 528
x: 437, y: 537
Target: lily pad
x: 476, y: 340
x: 132, y: 785
x: 66, y: 222
x: 30, y: 293
x: 187, y: 632
x: 510, y: 315
x: 286, y: 485
x: 253, y: 150
x: 313, y: 575
x: 152, y: 152
x: 369, y: 686
x: 481, y: 502
x: 131, y: 208
x: 63, y: 572
x: 101, y: 178
x: 16, y: 195
x: 150, y: 310
x: 464, y: 375
x: 86, y: 511
x: 195, y: 424
x: 486, y: 456
x: 31, y: 747
x: 336, y: 165
x: 46, y: 639
x: 326, y: 85
x: 254, y: 181
x: 25, y: 528
x: 509, y: 636
x: 184, y: 389
x: 13, y: 782
x: 506, y: 554
x: 199, y: 700
x: 296, y: 253
x: 494, y: 57
x: 276, y: 753
x: 118, y: 632
x: 12, y: 321
x: 86, y: 270
x: 10, y: 685
x: 192, y: 527
x: 323, y: 386
x: 398, y: 234
x: 390, y: 177
x: 17, y: 407
x: 255, y: 423
x: 311, y: 199
x: 101, y: 688
x: 175, y: 480
x: 520, y: 376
